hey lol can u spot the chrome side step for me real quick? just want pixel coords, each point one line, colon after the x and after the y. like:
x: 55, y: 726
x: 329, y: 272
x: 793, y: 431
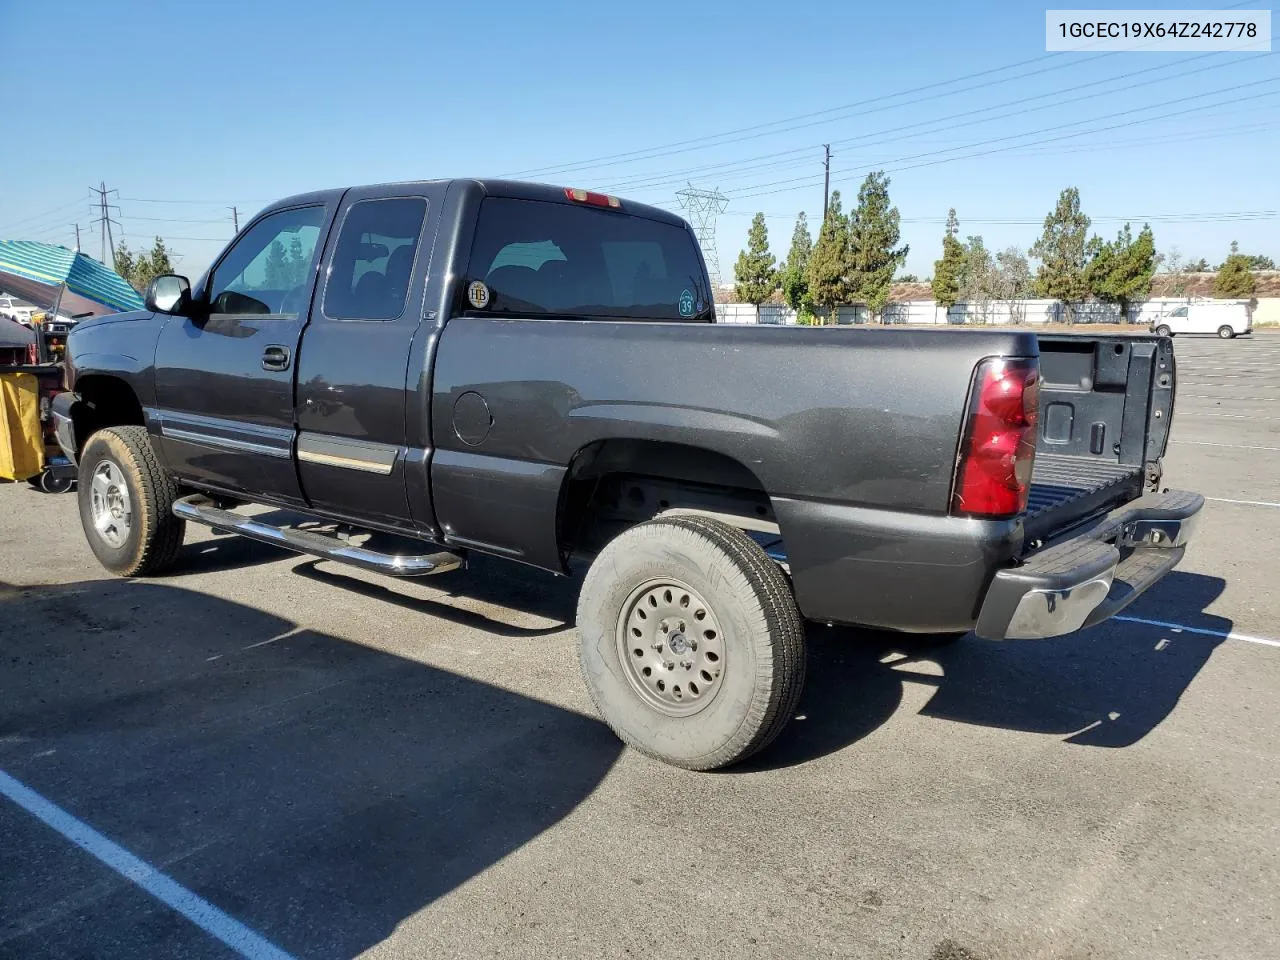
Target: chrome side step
x: 201, y: 509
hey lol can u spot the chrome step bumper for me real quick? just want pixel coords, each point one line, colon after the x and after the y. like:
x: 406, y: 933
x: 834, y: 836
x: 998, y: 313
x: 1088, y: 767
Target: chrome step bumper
x: 201, y: 509
x: 1094, y: 574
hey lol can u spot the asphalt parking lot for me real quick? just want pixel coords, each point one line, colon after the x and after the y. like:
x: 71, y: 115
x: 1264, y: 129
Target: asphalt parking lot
x: 320, y: 763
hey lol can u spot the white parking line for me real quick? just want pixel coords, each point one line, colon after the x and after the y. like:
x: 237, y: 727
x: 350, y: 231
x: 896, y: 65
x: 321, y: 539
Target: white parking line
x: 1205, y: 396
x: 1235, y: 446
x: 1223, y: 416
x: 168, y: 891
x: 1246, y: 503
x: 1183, y: 628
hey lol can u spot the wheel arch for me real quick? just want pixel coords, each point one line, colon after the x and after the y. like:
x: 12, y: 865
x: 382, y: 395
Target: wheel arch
x: 612, y: 484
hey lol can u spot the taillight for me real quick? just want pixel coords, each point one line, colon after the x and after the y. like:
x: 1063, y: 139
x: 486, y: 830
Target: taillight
x: 997, y: 451
x: 595, y: 199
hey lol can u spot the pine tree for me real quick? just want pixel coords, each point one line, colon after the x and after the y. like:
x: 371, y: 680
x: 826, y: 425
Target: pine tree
x: 874, y: 256
x: 124, y: 262
x: 829, y: 264
x: 946, y: 272
x: 755, y: 276
x: 794, y: 273
x: 1235, y: 280
x: 276, y: 272
x: 1061, y: 252
x: 977, y: 279
x: 1120, y: 272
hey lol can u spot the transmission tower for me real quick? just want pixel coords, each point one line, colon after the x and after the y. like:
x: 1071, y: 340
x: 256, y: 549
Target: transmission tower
x: 703, y: 206
x: 106, y: 221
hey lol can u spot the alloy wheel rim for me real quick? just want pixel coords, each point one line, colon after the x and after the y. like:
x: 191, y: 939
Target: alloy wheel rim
x: 110, y: 505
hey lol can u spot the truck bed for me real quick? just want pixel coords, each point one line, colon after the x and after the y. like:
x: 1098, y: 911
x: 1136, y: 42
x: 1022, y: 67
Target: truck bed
x: 1104, y: 415
x: 1065, y: 488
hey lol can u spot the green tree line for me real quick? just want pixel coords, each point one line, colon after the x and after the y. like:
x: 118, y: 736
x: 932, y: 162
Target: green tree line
x: 857, y: 255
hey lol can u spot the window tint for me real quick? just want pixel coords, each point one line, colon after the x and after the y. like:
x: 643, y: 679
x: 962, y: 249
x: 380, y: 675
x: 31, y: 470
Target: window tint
x: 373, y: 263
x: 1180, y: 312
x: 267, y: 270
x: 540, y: 258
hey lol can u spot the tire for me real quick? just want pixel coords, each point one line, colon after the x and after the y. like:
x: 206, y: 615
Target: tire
x: 51, y: 484
x: 735, y: 678
x: 126, y: 503
x: 1225, y: 332
x: 1163, y: 330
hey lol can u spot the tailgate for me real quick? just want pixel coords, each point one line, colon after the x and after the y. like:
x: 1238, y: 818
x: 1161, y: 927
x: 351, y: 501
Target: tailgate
x: 1105, y: 409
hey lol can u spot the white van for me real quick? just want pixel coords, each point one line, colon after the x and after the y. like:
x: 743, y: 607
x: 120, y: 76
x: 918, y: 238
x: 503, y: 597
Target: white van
x: 1226, y: 318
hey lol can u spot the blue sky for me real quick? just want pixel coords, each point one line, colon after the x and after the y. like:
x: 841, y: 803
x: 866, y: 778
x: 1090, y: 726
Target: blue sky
x: 189, y: 108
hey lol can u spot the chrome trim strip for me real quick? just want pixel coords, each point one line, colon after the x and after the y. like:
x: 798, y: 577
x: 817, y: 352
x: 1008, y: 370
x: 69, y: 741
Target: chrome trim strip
x: 222, y: 443
x: 364, y: 455
x: 350, y: 463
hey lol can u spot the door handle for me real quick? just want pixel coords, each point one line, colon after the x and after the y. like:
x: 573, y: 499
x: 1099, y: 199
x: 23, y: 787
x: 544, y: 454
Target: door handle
x: 275, y: 358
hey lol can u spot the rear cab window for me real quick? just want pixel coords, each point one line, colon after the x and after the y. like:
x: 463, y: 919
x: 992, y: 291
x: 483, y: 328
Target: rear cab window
x: 537, y: 258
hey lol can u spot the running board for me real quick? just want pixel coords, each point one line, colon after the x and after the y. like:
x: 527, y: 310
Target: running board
x: 200, y: 509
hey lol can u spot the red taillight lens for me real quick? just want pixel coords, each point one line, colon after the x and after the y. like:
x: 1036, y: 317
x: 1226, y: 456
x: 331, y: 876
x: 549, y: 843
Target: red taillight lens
x: 595, y: 199
x: 997, y: 452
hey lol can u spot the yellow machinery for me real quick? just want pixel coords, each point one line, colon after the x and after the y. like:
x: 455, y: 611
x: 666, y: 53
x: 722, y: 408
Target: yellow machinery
x: 21, y: 433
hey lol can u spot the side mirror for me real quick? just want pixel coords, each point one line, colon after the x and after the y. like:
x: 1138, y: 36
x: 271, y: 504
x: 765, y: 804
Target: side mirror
x: 168, y: 293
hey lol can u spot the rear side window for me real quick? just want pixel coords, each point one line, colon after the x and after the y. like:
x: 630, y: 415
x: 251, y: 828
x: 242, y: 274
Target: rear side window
x: 546, y: 259
x: 373, y: 262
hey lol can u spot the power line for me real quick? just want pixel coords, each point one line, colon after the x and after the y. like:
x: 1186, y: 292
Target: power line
x: 42, y: 216
x: 1038, y: 132
x: 878, y: 137
x: 707, y: 140
x: 683, y: 146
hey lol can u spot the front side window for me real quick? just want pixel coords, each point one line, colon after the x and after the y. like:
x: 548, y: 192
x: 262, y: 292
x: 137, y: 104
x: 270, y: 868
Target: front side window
x: 539, y: 258
x: 267, y: 271
x: 1180, y: 312
x: 373, y: 263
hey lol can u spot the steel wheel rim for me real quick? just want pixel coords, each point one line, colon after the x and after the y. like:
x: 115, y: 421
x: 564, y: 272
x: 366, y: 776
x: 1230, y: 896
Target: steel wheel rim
x: 672, y: 647
x: 110, y: 505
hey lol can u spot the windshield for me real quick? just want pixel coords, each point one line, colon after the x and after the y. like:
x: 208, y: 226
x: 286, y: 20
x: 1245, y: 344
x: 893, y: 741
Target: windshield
x: 536, y: 258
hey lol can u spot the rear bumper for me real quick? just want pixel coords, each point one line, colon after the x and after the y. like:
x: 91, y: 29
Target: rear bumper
x: 1093, y: 575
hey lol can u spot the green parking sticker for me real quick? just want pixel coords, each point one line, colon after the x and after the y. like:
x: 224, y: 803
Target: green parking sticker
x: 686, y: 304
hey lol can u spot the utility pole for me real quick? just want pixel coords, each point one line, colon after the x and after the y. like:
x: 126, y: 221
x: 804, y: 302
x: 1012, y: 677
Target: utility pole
x: 235, y: 218
x: 104, y: 218
x: 826, y: 180
x: 77, y: 238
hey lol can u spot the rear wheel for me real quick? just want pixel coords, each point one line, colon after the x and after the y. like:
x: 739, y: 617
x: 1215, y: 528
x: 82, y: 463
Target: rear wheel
x: 1225, y: 332
x: 126, y: 503
x: 1163, y: 330
x: 690, y: 642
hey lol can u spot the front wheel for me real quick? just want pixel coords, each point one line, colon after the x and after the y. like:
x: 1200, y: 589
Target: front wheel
x: 1163, y: 330
x: 690, y: 642
x: 126, y: 503
x: 1225, y: 332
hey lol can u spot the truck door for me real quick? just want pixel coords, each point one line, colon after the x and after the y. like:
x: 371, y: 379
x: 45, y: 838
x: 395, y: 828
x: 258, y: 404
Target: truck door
x: 353, y: 453
x: 224, y: 378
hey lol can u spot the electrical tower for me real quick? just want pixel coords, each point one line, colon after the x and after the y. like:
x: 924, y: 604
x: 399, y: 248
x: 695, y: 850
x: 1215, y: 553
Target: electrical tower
x: 106, y: 221
x: 703, y: 206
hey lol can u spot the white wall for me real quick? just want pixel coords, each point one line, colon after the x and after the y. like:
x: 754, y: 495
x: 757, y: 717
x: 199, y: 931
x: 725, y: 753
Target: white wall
x: 995, y: 311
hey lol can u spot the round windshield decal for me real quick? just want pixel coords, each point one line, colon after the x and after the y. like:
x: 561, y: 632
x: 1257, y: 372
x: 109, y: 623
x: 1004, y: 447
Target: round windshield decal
x: 686, y: 304
x: 478, y: 294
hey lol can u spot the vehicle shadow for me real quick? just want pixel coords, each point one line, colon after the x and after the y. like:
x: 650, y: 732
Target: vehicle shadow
x: 1105, y: 687
x: 317, y: 790
x: 485, y: 580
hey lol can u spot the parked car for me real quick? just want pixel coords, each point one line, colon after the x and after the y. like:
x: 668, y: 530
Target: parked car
x: 534, y: 373
x: 1225, y: 318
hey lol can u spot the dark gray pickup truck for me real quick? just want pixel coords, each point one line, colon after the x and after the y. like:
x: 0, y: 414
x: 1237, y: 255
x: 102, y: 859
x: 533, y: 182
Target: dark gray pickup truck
x: 434, y: 368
